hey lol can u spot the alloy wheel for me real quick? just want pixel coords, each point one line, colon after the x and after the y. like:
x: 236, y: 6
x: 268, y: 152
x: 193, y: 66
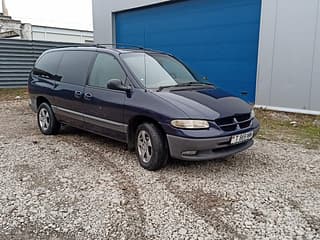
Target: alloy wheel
x: 144, y: 146
x: 44, y: 119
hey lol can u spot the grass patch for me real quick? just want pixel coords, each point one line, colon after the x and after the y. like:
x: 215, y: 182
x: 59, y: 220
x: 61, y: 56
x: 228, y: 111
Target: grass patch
x: 9, y: 94
x: 289, y: 127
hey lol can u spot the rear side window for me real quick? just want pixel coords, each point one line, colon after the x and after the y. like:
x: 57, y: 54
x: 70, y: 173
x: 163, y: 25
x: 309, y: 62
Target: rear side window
x: 48, y: 64
x: 106, y: 67
x: 74, y: 66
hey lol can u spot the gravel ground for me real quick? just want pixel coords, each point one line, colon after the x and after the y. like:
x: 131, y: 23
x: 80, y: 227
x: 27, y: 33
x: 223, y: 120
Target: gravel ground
x: 80, y: 186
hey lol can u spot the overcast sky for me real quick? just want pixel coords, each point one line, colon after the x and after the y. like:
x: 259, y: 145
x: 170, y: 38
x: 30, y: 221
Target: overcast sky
x: 58, y: 13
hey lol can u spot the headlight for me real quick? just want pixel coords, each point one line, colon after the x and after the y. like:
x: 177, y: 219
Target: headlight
x: 190, y: 124
x: 253, y: 114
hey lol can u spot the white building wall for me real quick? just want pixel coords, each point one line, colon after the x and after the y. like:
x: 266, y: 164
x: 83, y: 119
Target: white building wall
x: 289, y: 55
x: 315, y: 86
x: 45, y: 33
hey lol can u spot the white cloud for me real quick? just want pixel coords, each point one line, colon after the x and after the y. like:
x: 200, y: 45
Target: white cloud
x: 58, y: 13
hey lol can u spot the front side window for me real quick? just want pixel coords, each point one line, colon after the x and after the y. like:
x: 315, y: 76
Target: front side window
x: 105, y: 68
x: 157, y: 70
x: 74, y: 66
x: 47, y: 65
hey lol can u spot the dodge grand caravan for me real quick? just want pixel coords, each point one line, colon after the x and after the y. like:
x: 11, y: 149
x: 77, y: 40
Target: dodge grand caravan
x: 147, y: 99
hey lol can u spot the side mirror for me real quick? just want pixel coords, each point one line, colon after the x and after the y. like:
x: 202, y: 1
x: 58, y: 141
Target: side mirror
x: 116, y: 84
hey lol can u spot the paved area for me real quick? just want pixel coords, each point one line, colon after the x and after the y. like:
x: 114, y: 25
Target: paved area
x: 78, y: 185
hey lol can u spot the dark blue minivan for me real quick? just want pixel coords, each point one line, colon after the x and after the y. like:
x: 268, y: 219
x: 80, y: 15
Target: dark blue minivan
x: 147, y: 99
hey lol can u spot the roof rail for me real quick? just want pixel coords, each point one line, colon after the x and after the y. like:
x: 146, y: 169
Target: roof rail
x: 76, y: 45
x: 119, y: 44
x: 103, y: 45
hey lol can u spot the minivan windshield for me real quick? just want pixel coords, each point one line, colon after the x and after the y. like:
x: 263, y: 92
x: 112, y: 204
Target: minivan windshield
x: 158, y: 70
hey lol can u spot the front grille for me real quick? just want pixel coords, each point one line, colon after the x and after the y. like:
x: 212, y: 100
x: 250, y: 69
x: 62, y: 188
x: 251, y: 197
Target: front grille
x: 237, y: 122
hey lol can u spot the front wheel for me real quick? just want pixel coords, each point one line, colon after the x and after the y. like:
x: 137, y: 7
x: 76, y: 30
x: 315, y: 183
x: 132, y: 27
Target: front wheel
x: 151, y: 147
x: 47, y: 122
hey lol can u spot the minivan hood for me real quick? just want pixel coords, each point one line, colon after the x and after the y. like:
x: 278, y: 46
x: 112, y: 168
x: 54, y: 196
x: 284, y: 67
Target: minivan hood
x: 205, y: 103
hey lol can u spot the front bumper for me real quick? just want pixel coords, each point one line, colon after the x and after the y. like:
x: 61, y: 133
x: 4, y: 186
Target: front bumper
x: 206, y: 149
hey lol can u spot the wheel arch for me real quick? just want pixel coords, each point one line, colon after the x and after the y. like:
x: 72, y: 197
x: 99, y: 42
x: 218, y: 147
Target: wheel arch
x: 133, y: 125
x: 41, y: 99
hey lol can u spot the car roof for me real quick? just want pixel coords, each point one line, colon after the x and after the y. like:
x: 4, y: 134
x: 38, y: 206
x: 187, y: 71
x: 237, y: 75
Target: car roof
x: 106, y: 49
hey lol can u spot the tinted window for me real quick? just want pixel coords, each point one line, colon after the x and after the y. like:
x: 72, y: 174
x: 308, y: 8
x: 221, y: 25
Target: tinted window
x: 105, y: 68
x: 48, y: 64
x: 74, y: 66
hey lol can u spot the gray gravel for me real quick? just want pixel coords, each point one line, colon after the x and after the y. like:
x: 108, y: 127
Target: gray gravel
x: 80, y: 186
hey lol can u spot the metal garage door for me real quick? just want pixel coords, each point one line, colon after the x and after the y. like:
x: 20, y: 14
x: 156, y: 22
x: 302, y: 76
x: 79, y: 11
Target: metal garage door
x: 217, y: 38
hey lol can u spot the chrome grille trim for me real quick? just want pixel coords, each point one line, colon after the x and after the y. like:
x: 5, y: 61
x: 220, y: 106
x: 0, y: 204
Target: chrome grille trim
x: 237, y: 122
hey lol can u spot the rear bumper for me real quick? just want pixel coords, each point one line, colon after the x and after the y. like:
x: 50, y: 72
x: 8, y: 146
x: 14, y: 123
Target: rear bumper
x: 206, y: 149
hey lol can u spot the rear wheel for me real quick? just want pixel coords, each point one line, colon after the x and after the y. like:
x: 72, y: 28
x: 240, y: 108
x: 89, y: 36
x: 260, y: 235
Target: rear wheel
x: 151, y: 147
x: 47, y: 122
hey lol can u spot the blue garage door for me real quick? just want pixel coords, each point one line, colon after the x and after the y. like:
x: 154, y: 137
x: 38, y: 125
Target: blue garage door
x: 216, y: 38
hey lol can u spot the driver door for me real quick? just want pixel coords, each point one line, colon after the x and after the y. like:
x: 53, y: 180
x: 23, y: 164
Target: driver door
x: 104, y: 108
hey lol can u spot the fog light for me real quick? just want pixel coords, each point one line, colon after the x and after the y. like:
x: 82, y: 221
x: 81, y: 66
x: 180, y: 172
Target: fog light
x: 190, y: 153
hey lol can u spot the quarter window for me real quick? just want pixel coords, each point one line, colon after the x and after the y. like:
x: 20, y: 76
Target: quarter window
x: 48, y: 64
x: 105, y: 68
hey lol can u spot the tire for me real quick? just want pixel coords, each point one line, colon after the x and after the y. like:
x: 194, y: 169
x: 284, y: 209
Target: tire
x: 151, y: 147
x: 47, y: 122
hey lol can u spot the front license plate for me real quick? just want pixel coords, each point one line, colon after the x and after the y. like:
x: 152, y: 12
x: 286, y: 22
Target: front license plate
x: 241, y: 138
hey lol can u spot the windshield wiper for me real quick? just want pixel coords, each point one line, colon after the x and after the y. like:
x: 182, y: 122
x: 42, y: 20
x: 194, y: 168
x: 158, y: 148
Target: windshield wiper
x: 187, y: 84
x: 195, y: 83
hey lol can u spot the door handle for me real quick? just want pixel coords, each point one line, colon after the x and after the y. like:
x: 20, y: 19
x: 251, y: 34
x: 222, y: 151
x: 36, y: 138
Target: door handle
x: 77, y: 94
x: 88, y: 96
